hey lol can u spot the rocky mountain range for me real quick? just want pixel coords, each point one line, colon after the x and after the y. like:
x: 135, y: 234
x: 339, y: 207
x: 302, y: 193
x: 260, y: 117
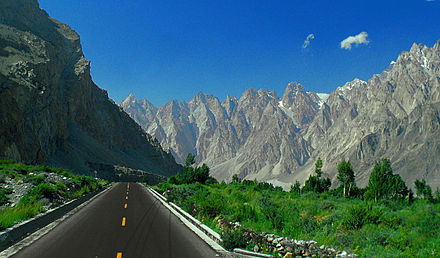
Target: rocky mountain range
x: 50, y: 109
x: 395, y: 114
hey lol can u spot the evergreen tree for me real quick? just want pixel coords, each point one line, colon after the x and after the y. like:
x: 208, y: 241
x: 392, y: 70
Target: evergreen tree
x: 318, y: 167
x: 315, y: 183
x: 235, y: 178
x: 296, y: 188
x: 423, y: 189
x: 190, y: 160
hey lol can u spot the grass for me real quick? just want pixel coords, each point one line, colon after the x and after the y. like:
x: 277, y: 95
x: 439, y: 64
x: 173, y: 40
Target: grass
x: 34, y: 201
x: 9, y: 216
x: 389, y: 228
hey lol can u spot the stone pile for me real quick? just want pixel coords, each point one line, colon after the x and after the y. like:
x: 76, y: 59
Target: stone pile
x: 283, y: 246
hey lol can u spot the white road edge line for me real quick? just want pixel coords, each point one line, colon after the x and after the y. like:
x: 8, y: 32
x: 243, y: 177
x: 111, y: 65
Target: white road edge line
x: 214, y: 245
x: 27, y: 241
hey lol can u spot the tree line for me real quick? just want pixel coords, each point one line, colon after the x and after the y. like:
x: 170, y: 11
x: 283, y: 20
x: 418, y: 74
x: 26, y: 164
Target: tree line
x: 382, y: 184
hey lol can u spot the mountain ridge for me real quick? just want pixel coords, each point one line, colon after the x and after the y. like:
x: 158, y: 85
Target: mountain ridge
x: 52, y: 112
x: 352, y: 122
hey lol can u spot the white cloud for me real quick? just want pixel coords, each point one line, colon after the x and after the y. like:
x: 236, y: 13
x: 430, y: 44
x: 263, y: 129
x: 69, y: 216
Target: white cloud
x: 307, y: 41
x: 360, y: 38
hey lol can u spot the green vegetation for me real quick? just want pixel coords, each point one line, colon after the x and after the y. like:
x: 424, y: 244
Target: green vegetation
x: 382, y: 220
x: 45, y: 191
x: 314, y: 183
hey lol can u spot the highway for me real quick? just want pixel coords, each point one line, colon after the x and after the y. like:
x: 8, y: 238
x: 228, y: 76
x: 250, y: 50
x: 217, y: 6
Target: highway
x: 125, y: 221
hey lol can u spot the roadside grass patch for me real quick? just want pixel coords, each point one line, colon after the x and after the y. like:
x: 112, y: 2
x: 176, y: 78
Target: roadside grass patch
x: 44, y: 192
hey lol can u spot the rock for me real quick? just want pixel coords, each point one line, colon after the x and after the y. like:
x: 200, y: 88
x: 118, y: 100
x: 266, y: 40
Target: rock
x: 256, y: 248
x: 270, y: 239
x: 361, y: 120
x: 52, y: 112
x: 288, y: 255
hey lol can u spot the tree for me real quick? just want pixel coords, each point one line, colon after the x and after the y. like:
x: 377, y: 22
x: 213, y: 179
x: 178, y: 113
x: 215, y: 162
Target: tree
x: 437, y: 195
x: 398, y: 187
x: 195, y: 174
x: 235, y: 178
x: 318, y: 167
x: 296, y: 188
x: 315, y: 183
x: 423, y: 189
x: 346, y: 177
x: 201, y: 174
x: 384, y: 184
x: 175, y: 179
x: 190, y: 160
x: 410, y: 197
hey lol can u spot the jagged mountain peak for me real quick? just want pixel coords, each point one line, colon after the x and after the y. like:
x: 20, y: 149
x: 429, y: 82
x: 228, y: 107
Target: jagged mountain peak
x: 263, y: 137
x: 129, y: 100
x: 73, y: 123
x: 295, y: 87
x: 355, y: 83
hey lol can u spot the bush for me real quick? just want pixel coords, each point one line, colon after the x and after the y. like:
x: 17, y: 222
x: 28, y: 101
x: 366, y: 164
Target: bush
x: 355, y: 217
x: 40, y: 191
x: 211, y: 205
x: 233, y: 238
x: 270, y: 211
x: 3, y: 198
x: 6, y: 162
x: 34, y: 179
x: 246, y: 212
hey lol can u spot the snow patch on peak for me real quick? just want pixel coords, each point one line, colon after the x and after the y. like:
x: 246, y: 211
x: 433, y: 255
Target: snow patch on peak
x: 323, y: 96
x: 287, y: 111
x: 350, y: 85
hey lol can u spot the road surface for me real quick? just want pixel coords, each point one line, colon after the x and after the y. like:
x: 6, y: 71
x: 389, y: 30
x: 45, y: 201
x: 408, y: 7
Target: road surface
x: 125, y: 221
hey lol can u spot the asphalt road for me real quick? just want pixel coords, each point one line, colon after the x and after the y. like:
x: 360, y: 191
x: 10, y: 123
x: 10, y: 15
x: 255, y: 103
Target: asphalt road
x: 125, y: 221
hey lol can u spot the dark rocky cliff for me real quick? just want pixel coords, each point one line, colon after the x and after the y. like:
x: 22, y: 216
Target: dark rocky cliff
x: 50, y: 109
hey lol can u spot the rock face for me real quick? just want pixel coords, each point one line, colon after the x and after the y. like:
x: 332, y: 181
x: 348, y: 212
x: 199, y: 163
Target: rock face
x: 395, y: 114
x: 50, y: 109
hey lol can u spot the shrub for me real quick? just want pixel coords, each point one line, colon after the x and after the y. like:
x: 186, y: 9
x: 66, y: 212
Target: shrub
x: 246, y: 212
x: 211, y: 205
x: 270, y: 211
x: 211, y: 181
x: 233, y: 238
x: 6, y: 162
x: 40, y: 191
x: 308, y: 222
x: 175, y: 179
x: 355, y: 217
x: 34, y: 179
x: 3, y: 198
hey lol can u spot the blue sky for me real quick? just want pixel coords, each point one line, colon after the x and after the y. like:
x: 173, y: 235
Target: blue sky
x: 163, y: 50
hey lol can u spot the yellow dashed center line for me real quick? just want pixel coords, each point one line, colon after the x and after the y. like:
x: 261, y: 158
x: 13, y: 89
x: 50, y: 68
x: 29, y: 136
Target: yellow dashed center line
x: 125, y: 206
x: 119, y: 255
x: 126, y: 197
x: 123, y: 221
